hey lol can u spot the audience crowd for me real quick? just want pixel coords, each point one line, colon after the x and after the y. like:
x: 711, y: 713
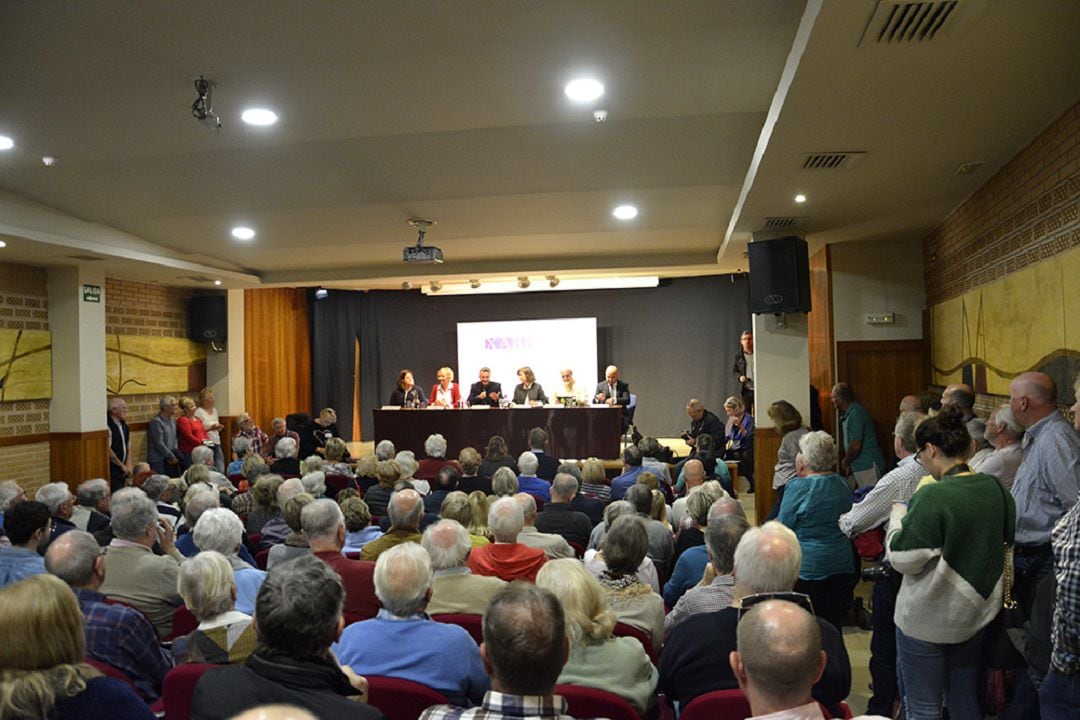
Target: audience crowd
x: 296, y: 572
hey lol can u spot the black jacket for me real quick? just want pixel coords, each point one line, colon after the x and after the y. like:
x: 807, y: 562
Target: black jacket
x: 559, y: 519
x: 549, y: 466
x: 492, y: 387
x: 316, y: 686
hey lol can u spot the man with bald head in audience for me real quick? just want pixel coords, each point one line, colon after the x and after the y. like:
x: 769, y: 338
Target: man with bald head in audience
x: 323, y: 527
x: 910, y: 403
x: 115, y: 634
x: 778, y: 660
x: 455, y: 589
x: 403, y: 642
x: 553, y: 545
x: 695, y: 656
x: 558, y: 518
x: 405, y: 510
x: 507, y: 558
x: 960, y: 395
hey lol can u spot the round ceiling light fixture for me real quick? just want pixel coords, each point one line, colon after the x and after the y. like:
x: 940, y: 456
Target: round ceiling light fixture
x: 217, y: 282
x: 241, y: 232
x: 48, y: 160
x: 625, y: 212
x: 800, y: 198
x: 260, y: 117
x: 6, y: 143
x: 584, y: 89
x: 3, y: 244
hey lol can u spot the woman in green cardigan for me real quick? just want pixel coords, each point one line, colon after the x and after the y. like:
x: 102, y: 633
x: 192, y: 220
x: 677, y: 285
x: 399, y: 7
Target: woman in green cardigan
x: 949, y: 545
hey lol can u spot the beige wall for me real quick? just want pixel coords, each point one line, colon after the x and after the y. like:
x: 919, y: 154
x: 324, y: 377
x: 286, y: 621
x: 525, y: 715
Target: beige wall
x: 877, y: 277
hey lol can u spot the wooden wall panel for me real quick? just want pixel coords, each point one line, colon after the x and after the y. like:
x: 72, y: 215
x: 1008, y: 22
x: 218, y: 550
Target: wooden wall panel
x: 277, y: 353
x: 880, y: 373
x: 766, y: 445
x: 820, y: 335
x: 75, y: 457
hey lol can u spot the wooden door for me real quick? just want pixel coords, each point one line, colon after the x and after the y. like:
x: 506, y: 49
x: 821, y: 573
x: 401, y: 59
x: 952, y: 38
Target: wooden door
x: 881, y: 373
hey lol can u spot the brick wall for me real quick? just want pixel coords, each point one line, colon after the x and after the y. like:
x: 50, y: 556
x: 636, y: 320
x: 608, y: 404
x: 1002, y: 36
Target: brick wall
x: 1027, y: 213
x: 24, y: 305
x: 135, y: 308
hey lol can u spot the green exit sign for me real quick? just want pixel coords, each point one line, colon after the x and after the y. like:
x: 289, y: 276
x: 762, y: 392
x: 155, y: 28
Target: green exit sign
x: 91, y: 293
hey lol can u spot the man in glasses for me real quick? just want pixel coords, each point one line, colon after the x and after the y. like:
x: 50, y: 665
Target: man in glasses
x: 779, y: 660
x: 695, y: 657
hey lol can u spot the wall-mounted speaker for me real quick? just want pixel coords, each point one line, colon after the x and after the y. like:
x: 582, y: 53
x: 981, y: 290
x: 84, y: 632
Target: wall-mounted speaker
x: 779, y: 276
x: 208, y: 318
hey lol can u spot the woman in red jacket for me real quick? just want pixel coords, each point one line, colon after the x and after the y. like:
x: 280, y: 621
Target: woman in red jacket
x: 446, y: 392
x: 190, y: 432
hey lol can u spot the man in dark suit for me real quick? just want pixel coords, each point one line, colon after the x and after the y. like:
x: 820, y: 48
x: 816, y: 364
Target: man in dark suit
x: 485, y: 392
x: 549, y: 464
x: 557, y: 517
x: 744, y: 369
x: 613, y: 392
x: 703, y: 422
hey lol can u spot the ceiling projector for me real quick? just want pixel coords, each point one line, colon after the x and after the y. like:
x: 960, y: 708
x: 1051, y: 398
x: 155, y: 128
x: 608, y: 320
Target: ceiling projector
x: 420, y: 253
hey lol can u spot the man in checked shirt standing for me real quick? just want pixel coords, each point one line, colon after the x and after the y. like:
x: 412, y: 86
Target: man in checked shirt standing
x: 1059, y: 694
x: 871, y: 512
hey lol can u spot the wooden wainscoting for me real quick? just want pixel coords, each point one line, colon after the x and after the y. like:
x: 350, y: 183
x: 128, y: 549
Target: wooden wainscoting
x: 880, y: 373
x: 820, y: 335
x: 75, y: 457
x: 766, y: 445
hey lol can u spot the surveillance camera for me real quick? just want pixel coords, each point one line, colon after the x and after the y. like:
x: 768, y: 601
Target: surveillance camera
x: 211, y: 121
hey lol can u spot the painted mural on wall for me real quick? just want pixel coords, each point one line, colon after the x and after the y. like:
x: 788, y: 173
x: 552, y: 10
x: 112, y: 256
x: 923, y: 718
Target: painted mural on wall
x: 137, y: 364
x: 25, y: 365
x: 1029, y: 320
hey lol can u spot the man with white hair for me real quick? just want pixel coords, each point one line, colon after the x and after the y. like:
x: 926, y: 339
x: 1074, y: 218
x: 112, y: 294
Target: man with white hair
x: 557, y: 516
x: 221, y: 530
x: 323, y: 526
x: 406, y: 509
x: 246, y: 428
x: 690, y: 567
x: 134, y: 574
x: 61, y: 503
x: 281, y: 431
x: 119, y: 443
x: 276, y: 530
x: 160, y: 489
x: 528, y: 482
x: 10, y: 496
x: 286, y: 463
x: 554, y: 546
x: 507, y: 558
x: 1004, y: 434
x: 92, y: 512
x: 403, y: 642
x: 193, y: 510
x: 779, y: 658
x: 162, y: 447
x: 721, y: 539
x: 695, y: 657
x: 115, y: 634
x: 454, y: 589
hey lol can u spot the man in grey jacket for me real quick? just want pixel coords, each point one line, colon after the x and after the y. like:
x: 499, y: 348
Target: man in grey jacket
x: 162, y: 449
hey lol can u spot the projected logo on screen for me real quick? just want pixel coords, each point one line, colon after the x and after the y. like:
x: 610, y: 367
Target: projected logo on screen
x: 509, y: 343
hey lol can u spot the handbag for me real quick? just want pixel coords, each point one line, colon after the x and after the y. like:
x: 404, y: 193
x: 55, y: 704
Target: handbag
x: 1007, y: 633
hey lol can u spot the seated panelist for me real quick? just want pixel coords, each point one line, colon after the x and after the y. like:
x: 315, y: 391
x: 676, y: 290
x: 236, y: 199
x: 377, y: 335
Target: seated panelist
x: 485, y: 392
x: 528, y: 391
x: 406, y: 394
x: 445, y: 393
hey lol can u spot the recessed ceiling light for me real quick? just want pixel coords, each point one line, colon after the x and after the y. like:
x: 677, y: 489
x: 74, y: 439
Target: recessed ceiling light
x: 6, y: 143
x: 3, y: 244
x: 584, y: 89
x: 800, y: 198
x: 48, y: 160
x: 259, y: 116
x: 243, y: 233
x: 217, y: 282
x: 625, y: 212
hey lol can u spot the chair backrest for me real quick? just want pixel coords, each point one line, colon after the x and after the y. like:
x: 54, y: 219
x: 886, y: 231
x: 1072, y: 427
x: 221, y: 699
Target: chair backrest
x: 236, y: 479
x: 587, y: 702
x: 473, y: 623
x: 579, y: 549
x: 178, y: 688
x: 717, y: 705
x: 337, y: 483
x: 401, y: 699
x: 183, y: 622
x: 624, y: 630
x: 262, y: 557
x: 539, y: 503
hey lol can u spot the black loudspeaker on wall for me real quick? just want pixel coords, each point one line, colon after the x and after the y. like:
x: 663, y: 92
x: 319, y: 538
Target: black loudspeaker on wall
x: 779, y: 276
x: 208, y: 318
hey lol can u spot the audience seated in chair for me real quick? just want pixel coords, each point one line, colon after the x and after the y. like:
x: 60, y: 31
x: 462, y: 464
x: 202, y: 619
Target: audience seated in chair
x: 554, y: 546
x: 224, y: 635
x: 633, y: 602
x: 507, y: 558
x: 324, y: 528
x: 717, y: 587
x: 403, y: 642
x: 220, y: 530
x: 559, y: 518
x: 295, y: 544
x: 406, y: 509
x: 455, y: 589
x: 299, y: 616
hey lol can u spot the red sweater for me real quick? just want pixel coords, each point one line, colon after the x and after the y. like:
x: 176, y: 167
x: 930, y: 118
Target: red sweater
x: 507, y: 561
x: 190, y: 433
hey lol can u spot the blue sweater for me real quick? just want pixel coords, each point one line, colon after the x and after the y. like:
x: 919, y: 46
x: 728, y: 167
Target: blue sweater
x: 687, y: 573
x: 812, y: 507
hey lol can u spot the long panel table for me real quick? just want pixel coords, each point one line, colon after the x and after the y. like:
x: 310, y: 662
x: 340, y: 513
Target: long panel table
x: 572, y: 432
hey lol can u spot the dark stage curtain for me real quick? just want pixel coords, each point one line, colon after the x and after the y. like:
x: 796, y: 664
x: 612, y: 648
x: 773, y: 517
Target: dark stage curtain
x: 671, y: 342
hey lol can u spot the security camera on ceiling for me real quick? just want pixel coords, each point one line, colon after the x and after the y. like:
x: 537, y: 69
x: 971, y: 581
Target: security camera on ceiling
x: 202, y: 108
x: 420, y: 253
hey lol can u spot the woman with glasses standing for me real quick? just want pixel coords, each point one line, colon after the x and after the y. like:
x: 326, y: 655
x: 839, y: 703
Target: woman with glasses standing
x: 950, y: 546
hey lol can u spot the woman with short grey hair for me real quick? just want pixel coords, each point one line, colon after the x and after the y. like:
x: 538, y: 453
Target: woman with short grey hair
x: 220, y: 530
x: 504, y: 482
x: 406, y: 460
x: 812, y: 505
x: 224, y: 635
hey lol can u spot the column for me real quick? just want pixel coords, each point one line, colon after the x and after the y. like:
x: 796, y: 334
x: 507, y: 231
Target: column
x: 225, y: 371
x: 78, y: 410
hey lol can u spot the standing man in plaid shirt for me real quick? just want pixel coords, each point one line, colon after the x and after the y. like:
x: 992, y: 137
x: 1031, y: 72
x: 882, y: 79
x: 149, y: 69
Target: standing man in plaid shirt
x: 115, y: 634
x: 524, y: 650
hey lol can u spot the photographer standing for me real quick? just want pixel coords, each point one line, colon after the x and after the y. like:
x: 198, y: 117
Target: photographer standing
x: 873, y: 512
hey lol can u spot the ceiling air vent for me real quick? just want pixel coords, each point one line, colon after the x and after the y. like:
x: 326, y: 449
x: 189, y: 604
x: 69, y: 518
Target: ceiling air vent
x: 774, y: 223
x: 85, y: 258
x: 832, y: 160
x: 896, y: 22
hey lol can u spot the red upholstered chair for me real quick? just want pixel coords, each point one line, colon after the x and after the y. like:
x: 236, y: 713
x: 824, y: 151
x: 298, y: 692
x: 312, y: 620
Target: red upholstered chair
x: 400, y: 699
x: 183, y: 622
x: 624, y: 630
x: 109, y: 671
x: 337, y: 483
x: 179, y: 687
x: 353, y: 554
x: 473, y: 623
x: 255, y: 539
x: 236, y: 479
x: 586, y: 702
x: 579, y: 549
x: 262, y: 557
x: 539, y: 503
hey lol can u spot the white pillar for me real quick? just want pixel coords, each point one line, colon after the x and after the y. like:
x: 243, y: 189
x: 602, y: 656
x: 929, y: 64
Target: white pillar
x: 781, y: 365
x: 225, y: 370
x: 77, y: 322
